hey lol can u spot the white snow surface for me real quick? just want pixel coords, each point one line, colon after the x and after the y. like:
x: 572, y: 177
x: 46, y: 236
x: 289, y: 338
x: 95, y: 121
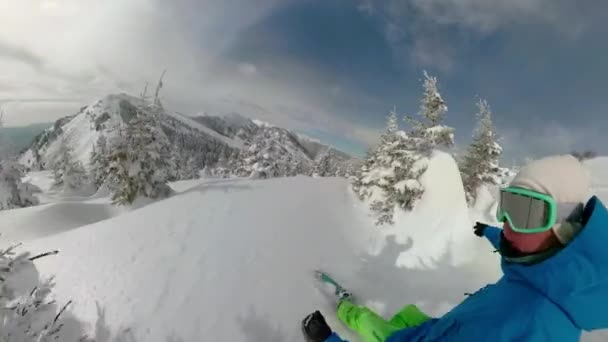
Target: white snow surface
x: 232, y: 260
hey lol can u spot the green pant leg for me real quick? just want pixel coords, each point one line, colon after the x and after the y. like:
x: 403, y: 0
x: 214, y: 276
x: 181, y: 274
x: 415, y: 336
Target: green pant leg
x: 370, y: 326
x: 409, y: 316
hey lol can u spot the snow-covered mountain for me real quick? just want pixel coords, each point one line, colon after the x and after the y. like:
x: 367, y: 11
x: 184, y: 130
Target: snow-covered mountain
x: 208, y: 138
x: 106, y: 116
x: 236, y: 126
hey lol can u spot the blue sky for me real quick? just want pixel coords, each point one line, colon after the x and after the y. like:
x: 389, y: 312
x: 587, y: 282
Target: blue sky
x: 329, y: 68
x: 541, y: 79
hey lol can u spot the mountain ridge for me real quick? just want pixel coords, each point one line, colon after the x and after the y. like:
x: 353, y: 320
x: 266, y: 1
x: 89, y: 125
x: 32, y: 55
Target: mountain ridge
x: 210, y: 139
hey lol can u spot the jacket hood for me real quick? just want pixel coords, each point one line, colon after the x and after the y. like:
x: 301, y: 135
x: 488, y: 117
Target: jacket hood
x: 575, y: 278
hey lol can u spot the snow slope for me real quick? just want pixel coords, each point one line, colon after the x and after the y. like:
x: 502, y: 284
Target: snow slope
x: 231, y: 260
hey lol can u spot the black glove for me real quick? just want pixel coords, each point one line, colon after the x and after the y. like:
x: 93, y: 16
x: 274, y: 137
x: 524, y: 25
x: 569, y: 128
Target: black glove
x: 479, y: 228
x: 315, y: 328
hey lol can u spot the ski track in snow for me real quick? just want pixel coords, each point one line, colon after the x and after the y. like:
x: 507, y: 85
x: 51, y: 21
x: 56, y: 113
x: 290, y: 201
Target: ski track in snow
x: 233, y: 259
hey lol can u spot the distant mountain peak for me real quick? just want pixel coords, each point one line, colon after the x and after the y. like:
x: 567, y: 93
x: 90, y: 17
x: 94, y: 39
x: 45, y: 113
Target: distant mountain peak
x: 206, y: 137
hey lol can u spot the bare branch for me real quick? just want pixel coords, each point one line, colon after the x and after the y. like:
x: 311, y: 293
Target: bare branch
x: 44, y: 255
x: 61, y: 311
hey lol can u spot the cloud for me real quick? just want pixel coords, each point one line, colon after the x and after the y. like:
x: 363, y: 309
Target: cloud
x: 247, y: 69
x: 549, y: 138
x: 433, y: 32
x: 21, y: 54
x: 366, y: 6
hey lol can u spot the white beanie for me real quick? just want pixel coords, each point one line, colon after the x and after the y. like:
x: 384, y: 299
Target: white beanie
x: 564, y: 179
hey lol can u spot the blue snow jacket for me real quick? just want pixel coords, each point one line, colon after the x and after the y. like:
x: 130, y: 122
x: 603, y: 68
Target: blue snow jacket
x: 334, y: 338
x: 553, y: 300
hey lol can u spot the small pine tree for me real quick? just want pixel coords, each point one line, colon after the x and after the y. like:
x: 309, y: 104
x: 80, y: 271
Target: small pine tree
x: 430, y: 132
x: 480, y: 164
x: 392, y: 127
x: 100, y: 162
x: 389, y: 175
x: 323, y: 165
x: 68, y: 174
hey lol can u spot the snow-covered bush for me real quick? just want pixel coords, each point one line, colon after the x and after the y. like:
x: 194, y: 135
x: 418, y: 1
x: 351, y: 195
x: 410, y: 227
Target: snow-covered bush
x: 68, y: 173
x: 480, y: 164
x: 140, y: 162
x: 389, y: 176
x: 13, y: 192
x: 27, y: 313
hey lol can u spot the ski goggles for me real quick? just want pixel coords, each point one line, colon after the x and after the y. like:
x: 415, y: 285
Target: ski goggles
x: 526, y: 211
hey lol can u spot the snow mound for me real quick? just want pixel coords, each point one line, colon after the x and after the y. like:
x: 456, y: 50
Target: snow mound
x: 440, y: 223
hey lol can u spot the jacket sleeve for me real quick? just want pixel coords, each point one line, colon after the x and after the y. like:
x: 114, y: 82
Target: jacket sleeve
x: 494, y: 235
x: 335, y: 338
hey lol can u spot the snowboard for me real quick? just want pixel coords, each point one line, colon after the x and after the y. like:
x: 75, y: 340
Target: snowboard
x: 340, y: 291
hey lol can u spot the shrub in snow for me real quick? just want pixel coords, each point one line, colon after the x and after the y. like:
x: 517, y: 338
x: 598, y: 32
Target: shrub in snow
x: 140, y: 163
x: 389, y: 176
x: 480, y: 163
x: 27, y: 314
x: 68, y: 173
x: 13, y: 192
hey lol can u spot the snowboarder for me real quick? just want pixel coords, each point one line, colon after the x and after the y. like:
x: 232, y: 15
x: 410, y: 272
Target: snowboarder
x: 555, y: 264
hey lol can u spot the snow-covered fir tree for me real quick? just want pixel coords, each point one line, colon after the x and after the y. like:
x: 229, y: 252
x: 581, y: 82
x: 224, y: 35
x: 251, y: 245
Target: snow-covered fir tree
x: 389, y: 176
x: 188, y: 168
x: 68, y: 173
x: 480, y: 164
x: 140, y: 159
x: 225, y: 166
x: 100, y: 162
x: 429, y: 131
x: 13, y: 192
x: 265, y: 157
x: 323, y: 166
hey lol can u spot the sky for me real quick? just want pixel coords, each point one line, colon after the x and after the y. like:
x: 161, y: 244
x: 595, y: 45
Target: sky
x: 332, y: 69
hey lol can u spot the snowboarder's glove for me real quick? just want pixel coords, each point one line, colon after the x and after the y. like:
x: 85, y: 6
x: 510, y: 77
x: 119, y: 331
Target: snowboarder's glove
x: 479, y: 228
x: 315, y: 328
